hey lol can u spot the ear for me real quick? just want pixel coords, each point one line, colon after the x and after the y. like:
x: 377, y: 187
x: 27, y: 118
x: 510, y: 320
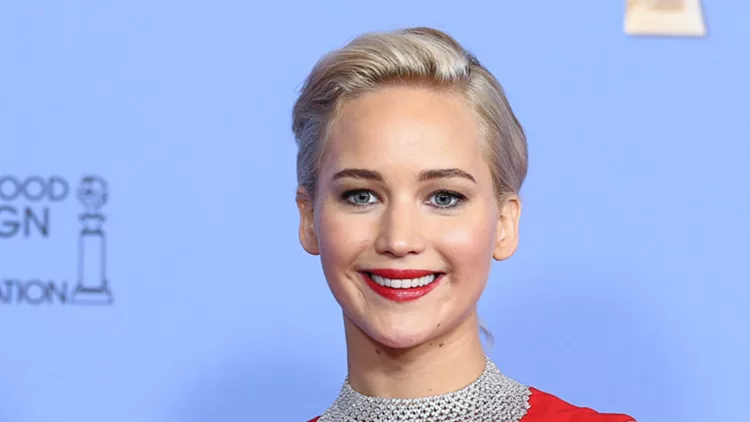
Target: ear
x: 506, y: 239
x: 308, y: 238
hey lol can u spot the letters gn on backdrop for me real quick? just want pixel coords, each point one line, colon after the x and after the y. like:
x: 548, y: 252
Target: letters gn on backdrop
x: 33, y: 208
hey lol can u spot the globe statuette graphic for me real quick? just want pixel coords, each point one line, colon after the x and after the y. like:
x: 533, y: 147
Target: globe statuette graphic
x: 92, y: 286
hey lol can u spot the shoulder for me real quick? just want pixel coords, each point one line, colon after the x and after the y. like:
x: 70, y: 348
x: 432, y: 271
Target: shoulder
x: 544, y: 407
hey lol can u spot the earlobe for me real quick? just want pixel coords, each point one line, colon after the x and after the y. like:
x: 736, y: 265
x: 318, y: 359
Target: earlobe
x: 506, y: 239
x: 307, y: 236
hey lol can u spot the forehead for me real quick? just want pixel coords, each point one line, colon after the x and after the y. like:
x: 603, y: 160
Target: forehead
x: 414, y: 127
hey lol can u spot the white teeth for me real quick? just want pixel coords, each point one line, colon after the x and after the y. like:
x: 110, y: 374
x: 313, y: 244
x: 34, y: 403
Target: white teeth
x: 403, y: 283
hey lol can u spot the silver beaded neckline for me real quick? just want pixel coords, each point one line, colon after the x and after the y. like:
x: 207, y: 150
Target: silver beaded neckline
x: 493, y: 397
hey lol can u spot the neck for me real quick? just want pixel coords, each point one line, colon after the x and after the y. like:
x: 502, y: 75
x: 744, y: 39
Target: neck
x: 445, y: 364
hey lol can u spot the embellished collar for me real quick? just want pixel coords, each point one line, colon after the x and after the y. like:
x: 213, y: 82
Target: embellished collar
x: 492, y: 397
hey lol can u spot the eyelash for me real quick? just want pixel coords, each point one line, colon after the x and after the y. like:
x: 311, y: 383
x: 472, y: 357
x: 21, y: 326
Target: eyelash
x: 460, y: 198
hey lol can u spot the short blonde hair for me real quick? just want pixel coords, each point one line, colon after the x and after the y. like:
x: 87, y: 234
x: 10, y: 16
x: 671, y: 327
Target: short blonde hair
x: 412, y: 56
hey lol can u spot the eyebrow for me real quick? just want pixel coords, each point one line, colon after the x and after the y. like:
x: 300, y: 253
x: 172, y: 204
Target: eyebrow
x: 424, y: 176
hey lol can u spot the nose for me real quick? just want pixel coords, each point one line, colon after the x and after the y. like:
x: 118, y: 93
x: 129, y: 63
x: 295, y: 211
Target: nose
x: 400, y: 231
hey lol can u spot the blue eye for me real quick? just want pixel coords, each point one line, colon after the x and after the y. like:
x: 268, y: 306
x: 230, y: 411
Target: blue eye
x: 446, y: 199
x: 360, y: 198
x: 439, y: 199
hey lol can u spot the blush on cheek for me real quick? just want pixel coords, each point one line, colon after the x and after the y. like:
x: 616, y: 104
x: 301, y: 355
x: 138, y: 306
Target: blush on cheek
x: 469, y: 255
x: 475, y: 246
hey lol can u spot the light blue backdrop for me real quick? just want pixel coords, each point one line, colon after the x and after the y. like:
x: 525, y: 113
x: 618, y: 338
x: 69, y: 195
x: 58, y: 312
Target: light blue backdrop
x: 629, y: 291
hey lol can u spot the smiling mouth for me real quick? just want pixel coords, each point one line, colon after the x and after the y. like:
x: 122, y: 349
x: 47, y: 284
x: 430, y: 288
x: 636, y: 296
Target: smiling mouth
x: 402, y: 285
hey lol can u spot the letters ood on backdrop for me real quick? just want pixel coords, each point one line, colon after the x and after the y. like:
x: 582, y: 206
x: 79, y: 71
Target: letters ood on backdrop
x: 33, y: 209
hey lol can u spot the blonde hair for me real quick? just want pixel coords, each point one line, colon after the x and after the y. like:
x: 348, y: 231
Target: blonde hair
x: 414, y: 56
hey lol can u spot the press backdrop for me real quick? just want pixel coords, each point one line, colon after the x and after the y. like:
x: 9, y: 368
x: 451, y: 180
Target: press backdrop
x: 146, y: 162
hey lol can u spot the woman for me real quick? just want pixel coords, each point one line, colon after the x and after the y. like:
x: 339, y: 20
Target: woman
x: 409, y: 165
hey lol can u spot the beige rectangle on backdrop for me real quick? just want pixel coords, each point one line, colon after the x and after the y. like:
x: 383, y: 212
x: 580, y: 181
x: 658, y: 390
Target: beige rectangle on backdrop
x: 677, y: 18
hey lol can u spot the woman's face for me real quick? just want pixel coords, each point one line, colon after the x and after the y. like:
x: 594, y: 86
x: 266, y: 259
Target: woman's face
x: 405, y: 219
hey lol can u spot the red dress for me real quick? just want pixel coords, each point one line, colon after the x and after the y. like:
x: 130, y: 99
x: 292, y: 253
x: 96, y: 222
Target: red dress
x: 545, y: 407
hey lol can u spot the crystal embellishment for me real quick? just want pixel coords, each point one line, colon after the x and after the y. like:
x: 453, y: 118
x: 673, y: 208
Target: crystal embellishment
x: 493, y: 397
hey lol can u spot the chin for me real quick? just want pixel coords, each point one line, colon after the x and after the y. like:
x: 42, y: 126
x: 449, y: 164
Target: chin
x: 400, y: 337
x: 399, y: 342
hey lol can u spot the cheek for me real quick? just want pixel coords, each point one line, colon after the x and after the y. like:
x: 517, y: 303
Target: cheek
x: 340, y: 239
x: 469, y: 246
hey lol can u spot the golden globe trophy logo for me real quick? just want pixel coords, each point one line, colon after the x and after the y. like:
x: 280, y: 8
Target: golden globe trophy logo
x: 26, y: 211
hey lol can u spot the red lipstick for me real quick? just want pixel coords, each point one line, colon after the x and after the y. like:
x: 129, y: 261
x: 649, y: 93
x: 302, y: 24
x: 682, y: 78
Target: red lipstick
x: 397, y: 294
